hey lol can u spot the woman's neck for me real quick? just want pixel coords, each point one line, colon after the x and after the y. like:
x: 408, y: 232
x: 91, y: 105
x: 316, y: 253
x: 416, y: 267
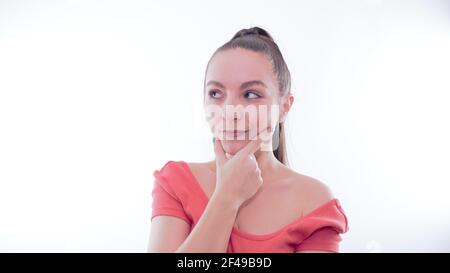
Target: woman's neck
x: 268, y: 164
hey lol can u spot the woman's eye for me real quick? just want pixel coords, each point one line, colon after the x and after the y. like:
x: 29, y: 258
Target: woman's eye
x: 214, y: 94
x: 252, y: 95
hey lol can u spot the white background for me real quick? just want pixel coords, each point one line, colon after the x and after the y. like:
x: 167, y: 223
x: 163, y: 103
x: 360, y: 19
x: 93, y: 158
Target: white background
x: 96, y: 95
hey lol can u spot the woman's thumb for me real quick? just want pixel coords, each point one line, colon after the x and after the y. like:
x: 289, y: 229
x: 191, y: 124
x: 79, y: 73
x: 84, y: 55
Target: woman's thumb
x: 218, y: 150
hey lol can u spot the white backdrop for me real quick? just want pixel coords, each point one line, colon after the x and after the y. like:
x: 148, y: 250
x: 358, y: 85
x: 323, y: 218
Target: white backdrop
x: 94, y: 95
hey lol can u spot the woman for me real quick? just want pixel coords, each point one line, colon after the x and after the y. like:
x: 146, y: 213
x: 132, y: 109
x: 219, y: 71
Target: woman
x: 247, y: 199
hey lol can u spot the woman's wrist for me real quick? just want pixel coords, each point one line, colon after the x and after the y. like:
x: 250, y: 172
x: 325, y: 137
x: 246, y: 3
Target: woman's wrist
x: 225, y: 201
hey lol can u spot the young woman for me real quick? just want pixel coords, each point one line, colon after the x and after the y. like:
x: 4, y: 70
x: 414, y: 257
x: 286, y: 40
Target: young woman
x: 247, y: 199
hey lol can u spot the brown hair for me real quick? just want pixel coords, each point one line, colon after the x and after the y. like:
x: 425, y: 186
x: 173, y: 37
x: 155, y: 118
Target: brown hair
x: 259, y: 40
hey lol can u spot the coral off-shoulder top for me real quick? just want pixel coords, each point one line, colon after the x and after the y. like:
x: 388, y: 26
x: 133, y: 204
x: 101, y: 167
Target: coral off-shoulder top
x: 176, y: 192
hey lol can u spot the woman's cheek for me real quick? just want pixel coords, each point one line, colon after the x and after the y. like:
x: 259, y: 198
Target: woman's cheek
x: 213, y: 115
x: 267, y: 118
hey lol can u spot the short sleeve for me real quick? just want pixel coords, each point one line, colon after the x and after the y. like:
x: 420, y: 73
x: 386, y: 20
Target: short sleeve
x: 165, y: 201
x: 322, y: 229
x: 324, y: 239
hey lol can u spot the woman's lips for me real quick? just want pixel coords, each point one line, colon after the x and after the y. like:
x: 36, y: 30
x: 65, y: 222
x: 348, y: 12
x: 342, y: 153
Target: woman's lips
x: 232, y: 134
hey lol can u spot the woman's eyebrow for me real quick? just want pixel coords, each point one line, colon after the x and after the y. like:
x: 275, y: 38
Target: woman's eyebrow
x: 216, y: 83
x: 243, y: 85
x: 250, y: 83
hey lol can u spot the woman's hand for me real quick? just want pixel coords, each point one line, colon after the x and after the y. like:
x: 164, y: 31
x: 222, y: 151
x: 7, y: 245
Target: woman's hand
x: 238, y: 177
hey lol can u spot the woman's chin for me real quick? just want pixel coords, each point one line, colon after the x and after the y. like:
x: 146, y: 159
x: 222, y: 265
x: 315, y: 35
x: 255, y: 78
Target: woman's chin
x: 233, y: 146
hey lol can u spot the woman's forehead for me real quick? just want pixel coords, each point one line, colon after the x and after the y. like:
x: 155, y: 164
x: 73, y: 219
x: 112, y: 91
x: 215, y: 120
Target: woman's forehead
x: 232, y: 67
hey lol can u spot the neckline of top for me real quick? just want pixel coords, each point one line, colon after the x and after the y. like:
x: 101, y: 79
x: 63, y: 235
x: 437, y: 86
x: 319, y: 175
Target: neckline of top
x: 249, y: 235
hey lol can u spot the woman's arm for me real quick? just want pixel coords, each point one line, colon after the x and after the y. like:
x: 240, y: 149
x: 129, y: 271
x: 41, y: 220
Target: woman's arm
x: 167, y: 233
x: 210, y: 234
x: 237, y: 179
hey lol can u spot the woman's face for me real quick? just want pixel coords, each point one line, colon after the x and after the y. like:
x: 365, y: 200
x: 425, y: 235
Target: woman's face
x: 241, y: 97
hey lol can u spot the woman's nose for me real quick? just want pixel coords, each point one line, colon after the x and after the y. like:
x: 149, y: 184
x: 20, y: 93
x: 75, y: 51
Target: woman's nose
x: 233, y: 112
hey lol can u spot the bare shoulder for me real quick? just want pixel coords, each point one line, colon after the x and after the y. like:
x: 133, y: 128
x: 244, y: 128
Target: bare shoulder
x: 312, y: 192
x: 201, y: 167
x: 204, y: 174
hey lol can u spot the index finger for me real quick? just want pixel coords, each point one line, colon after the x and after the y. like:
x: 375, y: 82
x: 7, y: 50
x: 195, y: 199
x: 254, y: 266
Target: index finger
x: 250, y: 148
x: 254, y: 144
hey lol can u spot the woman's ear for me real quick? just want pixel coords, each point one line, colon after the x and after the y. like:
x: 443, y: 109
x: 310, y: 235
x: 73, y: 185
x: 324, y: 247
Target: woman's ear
x: 286, y: 104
